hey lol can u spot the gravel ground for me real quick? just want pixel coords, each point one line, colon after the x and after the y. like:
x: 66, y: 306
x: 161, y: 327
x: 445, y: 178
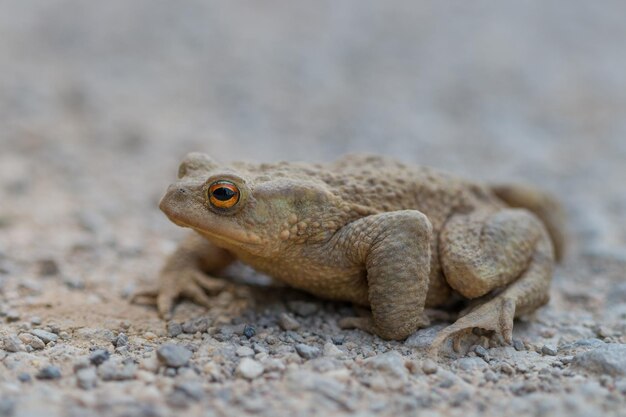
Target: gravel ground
x: 100, y: 100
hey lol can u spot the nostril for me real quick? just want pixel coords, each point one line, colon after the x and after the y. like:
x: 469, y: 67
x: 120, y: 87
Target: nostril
x: 182, y: 190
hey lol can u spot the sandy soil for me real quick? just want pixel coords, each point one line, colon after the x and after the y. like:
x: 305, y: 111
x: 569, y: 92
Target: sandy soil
x: 100, y: 100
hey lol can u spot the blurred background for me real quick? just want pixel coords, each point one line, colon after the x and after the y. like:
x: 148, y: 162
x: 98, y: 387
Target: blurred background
x: 100, y: 100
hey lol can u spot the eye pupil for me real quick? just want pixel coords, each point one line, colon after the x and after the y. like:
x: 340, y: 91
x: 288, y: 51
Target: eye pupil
x: 223, y: 193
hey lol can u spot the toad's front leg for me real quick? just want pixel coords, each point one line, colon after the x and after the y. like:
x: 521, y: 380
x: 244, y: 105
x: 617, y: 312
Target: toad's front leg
x: 185, y: 275
x: 394, y: 249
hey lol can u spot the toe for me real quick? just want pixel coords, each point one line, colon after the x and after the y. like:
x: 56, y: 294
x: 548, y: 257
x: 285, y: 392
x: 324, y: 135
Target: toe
x: 165, y: 303
x: 195, y: 293
x: 437, y: 343
x: 494, y: 317
x: 147, y: 298
x: 458, y: 339
x: 209, y: 284
x: 456, y: 331
x: 506, y: 320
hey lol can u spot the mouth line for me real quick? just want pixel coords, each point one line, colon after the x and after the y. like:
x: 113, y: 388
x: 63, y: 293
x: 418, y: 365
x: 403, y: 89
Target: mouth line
x: 212, y: 234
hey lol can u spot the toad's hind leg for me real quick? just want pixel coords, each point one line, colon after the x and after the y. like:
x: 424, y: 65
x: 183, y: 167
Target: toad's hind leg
x: 543, y: 205
x: 509, y: 252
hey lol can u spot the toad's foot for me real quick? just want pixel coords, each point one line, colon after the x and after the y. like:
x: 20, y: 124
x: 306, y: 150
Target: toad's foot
x: 187, y: 283
x: 495, y: 316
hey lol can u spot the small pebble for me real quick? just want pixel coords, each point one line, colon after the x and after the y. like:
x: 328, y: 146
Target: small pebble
x: 249, y: 331
x: 303, y: 308
x: 32, y: 341
x: 249, y: 369
x: 584, y: 343
x: 273, y: 365
x: 549, y: 350
x: 146, y: 376
x: 177, y: 399
x: 521, y: 367
x: 390, y: 362
x: 173, y: 356
x: 447, y: 379
x: 481, y: 351
x: 606, y: 360
x: 244, y: 351
x: 74, y: 282
x: 192, y: 389
x: 122, y: 350
x: 491, y: 376
x: 471, y: 364
x: 338, y: 339
x: 47, y: 267
x: 307, y: 352
x: 121, y: 340
x: 49, y: 372
x: 174, y: 329
x: 81, y: 363
x: 331, y: 350
x: 151, y: 363
x: 114, y: 371
x: 603, y: 332
x: 200, y: 324
x: 99, y: 356
x: 86, y: 378
x: 518, y: 345
x: 13, y: 316
x: 24, y: 377
x: 259, y: 348
x: 429, y: 367
x: 36, y: 320
x: 47, y: 337
x: 54, y: 328
x: 505, y: 368
x: 30, y: 287
x: 24, y: 327
x: 233, y: 329
x: 287, y: 322
x: 460, y: 398
x: 423, y: 338
x: 13, y: 344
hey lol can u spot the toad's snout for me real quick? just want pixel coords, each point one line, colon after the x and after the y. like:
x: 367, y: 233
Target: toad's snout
x: 174, y: 193
x: 173, y: 203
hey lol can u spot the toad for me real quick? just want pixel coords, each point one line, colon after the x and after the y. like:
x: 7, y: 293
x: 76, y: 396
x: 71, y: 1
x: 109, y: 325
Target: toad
x: 394, y: 238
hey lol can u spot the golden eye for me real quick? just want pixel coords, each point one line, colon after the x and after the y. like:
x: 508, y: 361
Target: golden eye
x: 223, y: 194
